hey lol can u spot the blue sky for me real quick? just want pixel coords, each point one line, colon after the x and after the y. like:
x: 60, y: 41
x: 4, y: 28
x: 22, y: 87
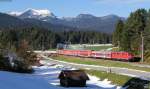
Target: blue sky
x: 69, y: 8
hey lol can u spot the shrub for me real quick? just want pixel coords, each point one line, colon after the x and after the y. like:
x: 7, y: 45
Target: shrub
x: 22, y: 67
x: 11, y: 62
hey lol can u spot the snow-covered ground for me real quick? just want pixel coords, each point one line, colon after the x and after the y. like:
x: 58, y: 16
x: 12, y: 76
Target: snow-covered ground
x: 45, y: 77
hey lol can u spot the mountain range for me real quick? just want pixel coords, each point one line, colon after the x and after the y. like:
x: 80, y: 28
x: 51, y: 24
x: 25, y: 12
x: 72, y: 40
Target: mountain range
x: 47, y: 19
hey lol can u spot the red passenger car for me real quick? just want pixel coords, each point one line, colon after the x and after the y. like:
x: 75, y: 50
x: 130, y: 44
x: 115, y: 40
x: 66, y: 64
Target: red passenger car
x: 84, y: 53
x: 81, y: 53
x: 101, y: 54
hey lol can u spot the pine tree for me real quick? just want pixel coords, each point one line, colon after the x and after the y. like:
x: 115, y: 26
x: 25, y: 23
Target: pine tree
x: 134, y: 26
x: 118, y: 33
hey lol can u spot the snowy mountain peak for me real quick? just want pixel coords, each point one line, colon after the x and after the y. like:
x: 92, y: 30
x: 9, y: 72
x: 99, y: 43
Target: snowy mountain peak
x: 85, y: 16
x: 39, y: 14
x: 34, y: 13
x: 43, y: 12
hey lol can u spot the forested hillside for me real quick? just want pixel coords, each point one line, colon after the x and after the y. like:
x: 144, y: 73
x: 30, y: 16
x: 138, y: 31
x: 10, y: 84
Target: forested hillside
x: 39, y: 38
x: 128, y: 35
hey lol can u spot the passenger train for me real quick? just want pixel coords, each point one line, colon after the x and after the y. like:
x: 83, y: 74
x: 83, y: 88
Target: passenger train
x: 122, y: 56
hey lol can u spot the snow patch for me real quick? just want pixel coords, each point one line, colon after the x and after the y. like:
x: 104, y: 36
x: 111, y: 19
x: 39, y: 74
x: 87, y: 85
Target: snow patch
x: 46, y: 77
x: 15, y: 13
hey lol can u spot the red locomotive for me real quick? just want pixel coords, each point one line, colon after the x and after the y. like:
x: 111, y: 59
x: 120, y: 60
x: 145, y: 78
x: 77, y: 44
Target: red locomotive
x: 123, y: 56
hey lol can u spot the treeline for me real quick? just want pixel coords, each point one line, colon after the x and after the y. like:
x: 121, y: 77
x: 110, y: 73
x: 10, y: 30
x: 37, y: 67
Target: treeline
x: 128, y: 35
x: 17, y: 44
x: 39, y: 38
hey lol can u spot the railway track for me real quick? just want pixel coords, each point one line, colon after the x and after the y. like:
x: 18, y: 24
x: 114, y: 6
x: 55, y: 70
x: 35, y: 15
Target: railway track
x: 117, y: 70
x: 131, y: 63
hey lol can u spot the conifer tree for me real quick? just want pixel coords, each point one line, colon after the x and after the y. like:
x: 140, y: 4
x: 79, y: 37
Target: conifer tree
x: 117, y: 35
x: 134, y: 26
